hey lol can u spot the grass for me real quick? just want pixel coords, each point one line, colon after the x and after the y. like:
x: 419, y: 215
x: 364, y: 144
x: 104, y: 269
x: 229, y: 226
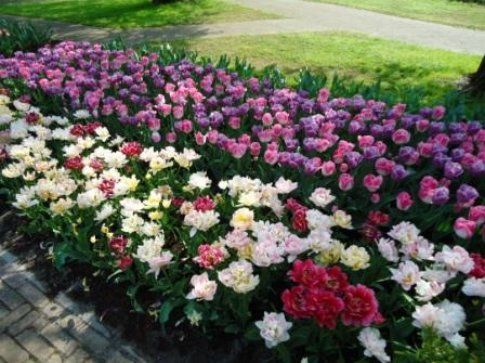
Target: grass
x: 451, y: 12
x: 359, y: 57
x: 132, y: 13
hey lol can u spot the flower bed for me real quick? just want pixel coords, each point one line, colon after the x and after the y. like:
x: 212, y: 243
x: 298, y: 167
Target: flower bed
x: 316, y: 225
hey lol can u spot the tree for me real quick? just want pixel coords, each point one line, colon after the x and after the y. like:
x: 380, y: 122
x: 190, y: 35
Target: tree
x: 476, y: 81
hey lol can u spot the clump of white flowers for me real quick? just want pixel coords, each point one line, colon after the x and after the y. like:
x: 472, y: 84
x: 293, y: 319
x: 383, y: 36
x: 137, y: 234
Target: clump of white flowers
x: 239, y: 277
x: 321, y: 197
x: 254, y: 193
x: 274, y: 329
x: 203, y: 288
x: 446, y: 318
x: 474, y: 287
x: 374, y: 345
x: 201, y: 221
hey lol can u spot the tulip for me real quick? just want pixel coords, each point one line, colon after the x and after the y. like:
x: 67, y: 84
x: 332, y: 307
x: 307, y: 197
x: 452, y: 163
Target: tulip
x: 464, y: 228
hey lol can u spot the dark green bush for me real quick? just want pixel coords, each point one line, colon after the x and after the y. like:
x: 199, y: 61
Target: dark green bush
x: 15, y: 36
x: 480, y: 2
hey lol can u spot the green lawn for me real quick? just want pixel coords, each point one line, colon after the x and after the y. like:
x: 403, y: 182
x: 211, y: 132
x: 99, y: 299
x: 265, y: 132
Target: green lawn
x: 450, y: 12
x: 360, y: 57
x: 132, y: 13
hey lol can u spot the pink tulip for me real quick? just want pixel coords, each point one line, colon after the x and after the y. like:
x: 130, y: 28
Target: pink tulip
x: 178, y: 112
x: 200, y: 138
x: 255, y: 148
x: 384, y: 166
x: 422, y: 125
x: 282, y: 117
x: 156, y: 137
x: 328, y: 168
x: 345, y: 182
x: 365, y: 140
x: 464, y: 228
x: 477, y: 214
x: 234, y: 123
x: 372, y: 182
x: 271, y: 156
x: 427, y: 186
x: 401, y: 136
x: 171, y: 137
x: 267, y: 119
x: 404, y: 201
x: 212, y: 136
x: 238, y: 150
x: 153, y: 123
x: 375, y: 198
x: 438, y: 112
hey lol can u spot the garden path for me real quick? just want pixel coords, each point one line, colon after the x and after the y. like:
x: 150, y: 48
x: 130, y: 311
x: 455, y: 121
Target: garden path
x: 298, y: 16
x: 37, y: 328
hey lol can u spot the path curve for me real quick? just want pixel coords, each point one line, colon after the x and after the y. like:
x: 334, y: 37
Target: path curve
x: 298, y: 16
x: 334, y: 17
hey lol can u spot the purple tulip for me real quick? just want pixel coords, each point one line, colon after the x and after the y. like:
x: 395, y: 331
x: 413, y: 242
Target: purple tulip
x: 399, y: 172
x: 371, y: 153
x: 478, y: 168
x: 453, y: 170
x: 353, y: 159
x: 466, y: 195
x: 408, y: 155
x: 457, y: 154
x: 441, y: 196
x: 440, y: 160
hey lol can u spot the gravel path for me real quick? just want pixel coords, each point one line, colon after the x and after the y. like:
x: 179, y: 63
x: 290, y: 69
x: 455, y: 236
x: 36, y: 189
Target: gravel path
x: 298, y: 16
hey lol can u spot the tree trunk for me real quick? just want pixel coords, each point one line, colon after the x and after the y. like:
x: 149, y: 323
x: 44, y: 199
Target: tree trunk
x: 476, y: 81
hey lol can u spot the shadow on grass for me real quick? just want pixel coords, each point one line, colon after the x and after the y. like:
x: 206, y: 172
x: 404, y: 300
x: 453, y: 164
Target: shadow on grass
x: 119, y: 14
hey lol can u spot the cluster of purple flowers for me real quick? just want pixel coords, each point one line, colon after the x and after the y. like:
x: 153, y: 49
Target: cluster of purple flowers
x: 359, y: 145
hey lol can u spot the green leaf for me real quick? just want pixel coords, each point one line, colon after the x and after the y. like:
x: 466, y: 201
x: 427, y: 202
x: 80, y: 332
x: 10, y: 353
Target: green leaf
x: 165, y: 311
x: 190, y: 308
x: 232, y: 329
x: 402, y: 328
x: 301, y: 334
x: 131, y: 292
x: 61, y: 254
x: 283, y: 354
x: 252, y: 333
x: 66, y: 251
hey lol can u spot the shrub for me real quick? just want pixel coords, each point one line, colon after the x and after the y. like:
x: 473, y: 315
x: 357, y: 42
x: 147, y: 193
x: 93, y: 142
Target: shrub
x: 481, y: 2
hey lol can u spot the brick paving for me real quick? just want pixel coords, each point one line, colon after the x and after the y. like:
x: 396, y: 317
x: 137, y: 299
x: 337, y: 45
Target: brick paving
x: 36, y: 328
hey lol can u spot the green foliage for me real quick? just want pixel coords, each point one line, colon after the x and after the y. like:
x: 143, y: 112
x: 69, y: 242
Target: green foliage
x: 472, y: 1
x: 435, y: 349
x: 15, y: 36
